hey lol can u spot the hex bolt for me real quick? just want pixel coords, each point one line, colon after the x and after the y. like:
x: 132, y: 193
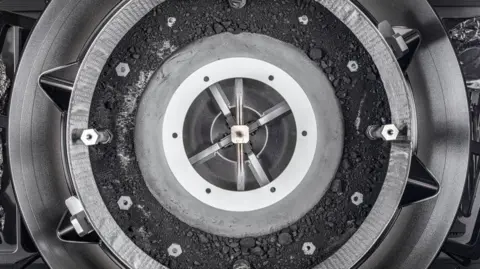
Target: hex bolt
x: 303, y: 20
x: 241, y: 264
x: 388, y: 132
x: 92, y: 137
x: 171, y: 21
x: 125, y: 202
x: 352, y: 66
x: 357, y: 198
x: 122, y: 69
x: 174, y: 250
x: 237, y: 4
x: 308, y: 248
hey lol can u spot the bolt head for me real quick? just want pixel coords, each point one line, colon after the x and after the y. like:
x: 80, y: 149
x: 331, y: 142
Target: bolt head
x: 389, y: 132
x: 174, y: 250
x: 303, y: 20
x: 357, y: 198
x: 122, y: 69
x: 240, y: 134
x: 171, y: 21
x: 352, y: 66
x: 308, y: 248
x: 125, y: 202
x: 90, y: 137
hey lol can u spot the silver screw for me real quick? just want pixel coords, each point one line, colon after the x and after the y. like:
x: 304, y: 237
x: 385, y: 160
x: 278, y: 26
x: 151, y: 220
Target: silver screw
x: 357, y: 198
x: 175, y: 250
x: 125, y: 202
x: 352, y: 66
x: 308, y: 248
x: 122, y: 69
x: 92, y: 137
x: 388, y: 132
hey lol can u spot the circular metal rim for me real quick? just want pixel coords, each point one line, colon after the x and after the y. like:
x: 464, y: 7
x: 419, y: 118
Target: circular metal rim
x: 368, y: 233
x: 157, y: 174
x: 195, y: 184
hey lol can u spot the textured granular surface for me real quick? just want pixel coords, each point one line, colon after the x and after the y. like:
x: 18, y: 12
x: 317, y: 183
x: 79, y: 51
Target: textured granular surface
x: 330, y: 44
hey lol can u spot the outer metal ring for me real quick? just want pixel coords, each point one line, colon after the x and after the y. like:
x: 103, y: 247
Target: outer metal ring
x: 122, y: 246
x: 218, y: 71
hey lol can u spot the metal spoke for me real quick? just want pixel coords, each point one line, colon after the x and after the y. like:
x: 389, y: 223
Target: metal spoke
x: 209, y: 152
x: 270, y: 115
x: 240, y: 152
x: 222, y: 102
x: 256, y: 167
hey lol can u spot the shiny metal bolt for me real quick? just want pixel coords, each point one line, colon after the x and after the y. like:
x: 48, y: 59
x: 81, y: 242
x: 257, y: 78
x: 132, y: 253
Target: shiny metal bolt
x: 122, y: 69
x: 124, y: 203
x: 241, y: 264
x: 303, y: 20
x: 92, y: 137
x: 388, y: 132
x: 237, y: 4
x: 308, y: 248
x: 357, y: 198
x: 352, y: 66
x: 175, y: 250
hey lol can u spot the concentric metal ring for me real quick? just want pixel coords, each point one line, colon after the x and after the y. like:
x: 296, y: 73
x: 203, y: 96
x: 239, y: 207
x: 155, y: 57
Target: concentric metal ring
x: 122, y: 246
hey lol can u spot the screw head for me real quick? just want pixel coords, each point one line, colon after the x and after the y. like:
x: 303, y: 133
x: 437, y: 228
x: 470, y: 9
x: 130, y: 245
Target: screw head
x: 122, y: 69
x: 125, y: 202
x: 357, y: 198
x: 352, y: 66
x: 389, y: 132
x: 308, y: 248
x: 174, y: 250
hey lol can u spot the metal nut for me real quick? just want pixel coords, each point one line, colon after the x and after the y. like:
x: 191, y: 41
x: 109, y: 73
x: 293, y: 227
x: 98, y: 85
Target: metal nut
x: 352, y: 66
x: 122, y: 69
x: 303, y: 20
x: 237, y: 4
x: 388, y: 132
x: 308, y: 248
x: 91, y: 137
x: 175, y: 250
x: 171, y: 21
x: 357, y: 198
x: 125, y: 202
x: 241, y: 264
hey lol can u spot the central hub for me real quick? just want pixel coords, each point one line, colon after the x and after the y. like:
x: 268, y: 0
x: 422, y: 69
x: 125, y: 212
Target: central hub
x: 240, y: 134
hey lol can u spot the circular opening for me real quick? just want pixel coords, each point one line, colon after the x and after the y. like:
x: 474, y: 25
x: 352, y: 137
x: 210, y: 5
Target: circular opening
x: 271, y: 78
x: 308, y: 247
x: 273, y: 189
x: 304, y: 133
x: 125, y: 202
x: 174, y: 250
x: 355, y: 198
x: 390, y: 132
x: 174, y: 135
x: 208, y: 190
x: 206, y: 79
x: 89, y: 137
